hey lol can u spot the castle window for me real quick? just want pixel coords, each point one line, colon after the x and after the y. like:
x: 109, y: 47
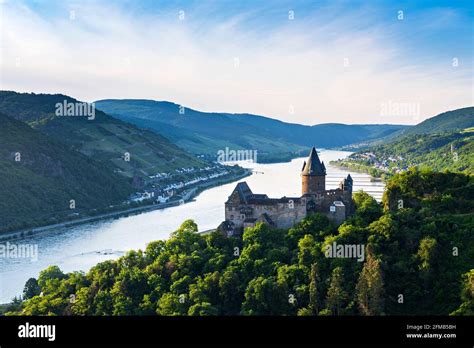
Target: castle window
x: 232, y: 217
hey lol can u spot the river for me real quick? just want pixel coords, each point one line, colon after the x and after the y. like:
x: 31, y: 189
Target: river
x: 81, y: 247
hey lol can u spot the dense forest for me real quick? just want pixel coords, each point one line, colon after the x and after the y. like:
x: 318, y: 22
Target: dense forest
x: 419, y: 259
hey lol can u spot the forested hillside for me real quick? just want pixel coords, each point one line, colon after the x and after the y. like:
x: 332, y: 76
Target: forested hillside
x: 452, y: 151
x: 455, y: 120
x: 103, y: 138
x: 443, y: 142
x: 449, y: 122
x: 56, y: 168
x: 206, y: 133
x: 40, y: 177
x: 419, y: 260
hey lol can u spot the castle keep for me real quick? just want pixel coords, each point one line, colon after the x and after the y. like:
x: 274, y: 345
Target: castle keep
x: 245, y: 208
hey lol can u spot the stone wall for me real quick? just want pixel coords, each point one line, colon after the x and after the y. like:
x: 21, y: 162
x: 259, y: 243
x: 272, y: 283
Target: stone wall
x: 286, y: 212
x: 284, y: 215
x: 312, y: 184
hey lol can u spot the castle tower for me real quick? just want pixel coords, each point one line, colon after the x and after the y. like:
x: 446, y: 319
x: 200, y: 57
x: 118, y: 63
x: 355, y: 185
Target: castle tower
x: 349, y: 183
x: 313, y: 175
x: 346, y: 184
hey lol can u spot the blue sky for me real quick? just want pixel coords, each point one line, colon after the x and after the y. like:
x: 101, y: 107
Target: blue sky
x: 299, y: 61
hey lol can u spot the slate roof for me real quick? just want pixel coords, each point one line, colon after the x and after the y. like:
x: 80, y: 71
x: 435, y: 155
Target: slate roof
x: 246, y: 196
x: 313, y: 165
x: 243, y: 191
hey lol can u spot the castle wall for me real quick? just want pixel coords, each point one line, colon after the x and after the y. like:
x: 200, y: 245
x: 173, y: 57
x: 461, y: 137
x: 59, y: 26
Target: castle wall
x: 243, y: 208
x: 323, y: 200
x: 232, y: 214
x: 337, y: 212
x: 283, y: 214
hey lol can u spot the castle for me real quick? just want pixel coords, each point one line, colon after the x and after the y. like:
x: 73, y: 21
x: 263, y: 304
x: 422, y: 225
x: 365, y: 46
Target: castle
x: 245, y: 209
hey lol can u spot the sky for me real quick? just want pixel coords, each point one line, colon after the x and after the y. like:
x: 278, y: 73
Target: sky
x: 308, y: 62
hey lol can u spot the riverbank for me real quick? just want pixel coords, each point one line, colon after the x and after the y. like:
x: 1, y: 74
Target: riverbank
x: 375, y: 174
x: 78, y: 248
x: 186, y: 197
x: 283, y: 157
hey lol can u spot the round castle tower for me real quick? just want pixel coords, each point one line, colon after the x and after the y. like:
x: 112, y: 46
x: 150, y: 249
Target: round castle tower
x: 313, y: 175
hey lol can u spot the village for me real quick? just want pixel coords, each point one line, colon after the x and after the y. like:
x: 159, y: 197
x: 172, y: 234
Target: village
x: 379, y: 162
x: 163, y: 187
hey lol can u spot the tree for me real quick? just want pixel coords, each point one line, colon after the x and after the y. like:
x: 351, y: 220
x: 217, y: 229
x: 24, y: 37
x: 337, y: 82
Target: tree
x: 317, y: 225
x: 467, y: 295
x: 427, y: 253
x: 202, y: 309
x: 49, y: 274
x: 369, y: 289
x: 367, y: 208
x: 313, y: 289
x: 206, y: 289
x: 187, y: 226
x: 307, y: 250
x: 31, y: 289
x: 171, y: 304
x: 264, y: 296
x: 336, y: 294
x: 231, y: 291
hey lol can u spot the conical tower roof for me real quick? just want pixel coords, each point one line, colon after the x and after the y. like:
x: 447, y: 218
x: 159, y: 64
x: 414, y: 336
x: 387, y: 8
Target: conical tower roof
x: 313, y: 166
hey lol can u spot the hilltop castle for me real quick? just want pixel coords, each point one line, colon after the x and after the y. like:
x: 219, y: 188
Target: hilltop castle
x: 244, y: 208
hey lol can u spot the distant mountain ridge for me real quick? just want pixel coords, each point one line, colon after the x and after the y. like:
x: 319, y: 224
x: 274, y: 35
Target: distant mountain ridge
x: 105, y: 138
x: 442, y: 142
x: 203, y: 132
x: 449, y: 121
x: 454, y: 120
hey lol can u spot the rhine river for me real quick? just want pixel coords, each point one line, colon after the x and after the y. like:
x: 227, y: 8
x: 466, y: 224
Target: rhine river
x: 78, y: 248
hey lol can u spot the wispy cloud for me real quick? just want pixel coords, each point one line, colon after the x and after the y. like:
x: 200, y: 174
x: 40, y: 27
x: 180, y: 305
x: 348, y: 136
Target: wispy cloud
x: 329, y: 64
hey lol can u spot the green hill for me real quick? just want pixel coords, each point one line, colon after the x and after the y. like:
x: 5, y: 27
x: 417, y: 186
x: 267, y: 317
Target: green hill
x: 454, y: 120
x: 206, y: 133
x: 105, y: 139
x: 452, y: 151
x: 443, y: 142
x: 423, y: 250
x: 41, y: 176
